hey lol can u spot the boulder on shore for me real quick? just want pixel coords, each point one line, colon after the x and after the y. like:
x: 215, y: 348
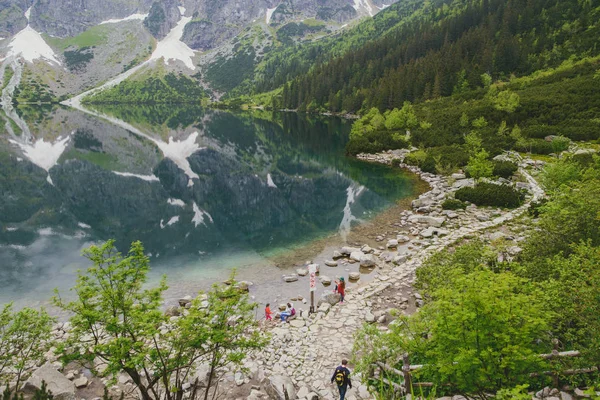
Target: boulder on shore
x: 57, y: 383
x: 275, y: 384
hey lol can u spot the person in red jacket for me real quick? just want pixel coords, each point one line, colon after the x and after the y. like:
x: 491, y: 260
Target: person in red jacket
x: 341, y: 288
x: 341, y: 376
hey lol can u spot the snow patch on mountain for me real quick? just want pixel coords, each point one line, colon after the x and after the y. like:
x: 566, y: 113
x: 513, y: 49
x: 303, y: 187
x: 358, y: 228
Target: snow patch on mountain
x: 270, y: 12
x: 147, y: 178
x: 44, y: 154
x: 363, y: 5
x: 30, y: 45
x: 172, y: 48
x: 199, y: 215
x: 133, y: 17
x: 270, y: 182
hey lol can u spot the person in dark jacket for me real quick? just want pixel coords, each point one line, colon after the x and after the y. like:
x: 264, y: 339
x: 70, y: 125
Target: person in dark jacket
x: 341, y: 376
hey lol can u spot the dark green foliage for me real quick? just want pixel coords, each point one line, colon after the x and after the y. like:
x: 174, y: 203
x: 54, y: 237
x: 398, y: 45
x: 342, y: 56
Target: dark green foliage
x: 504, y: 169
x: 77, y: 59
x: 156, y: 18
x: 535, y: 146
x: 288, y: 32
x: 453, y: 204
x: 375, y: 142
x: 447, y: 45
x: 170, y: 88
x: 43, y: 393
x: 7, y: 394
x: 228, y: 72
x: 489, y: 194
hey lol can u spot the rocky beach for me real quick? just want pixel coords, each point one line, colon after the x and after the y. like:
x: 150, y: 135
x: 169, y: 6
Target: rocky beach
x: 303, y: 353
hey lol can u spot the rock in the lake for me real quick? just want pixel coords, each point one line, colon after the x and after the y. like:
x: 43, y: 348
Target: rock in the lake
x: 331, y: 263
x: 357, y: 255
x: 368, y: 261
x: 290, y: 278
x: 185, y: 300
x: 393, y: 243
x: 354, y: 276
x: 325, y: 280
x: 337, y: 254
x: 301, y: 271
x: 403, y: 239
x: 348, y: 250
x: 173, y: 311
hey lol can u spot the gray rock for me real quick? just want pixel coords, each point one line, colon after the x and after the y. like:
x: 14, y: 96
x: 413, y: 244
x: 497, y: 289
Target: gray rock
x: 458, y: 176
x: 357, y: 255
x: 393, y: 243
x: 330, y: 298
x: 173, y: 311
x: 424, y: 219
x: 565, y: 396
x: 81, y: 382
x: 369, y: 317
x: 337, y: 254
x: 185, y: 300
x: 61, y: 387
x: 348, y: 250
x: 331, y: 263
x: 301, y: 271
x: 403, y: 239
x: 464, y: 183
x: 400, y: 259
x: 368, y: 261
x: 290, y: 278
x: 354, y: 276
x: 325, y: 280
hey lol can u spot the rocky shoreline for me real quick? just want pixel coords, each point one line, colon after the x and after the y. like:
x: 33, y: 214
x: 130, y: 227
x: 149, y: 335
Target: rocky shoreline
x: 303, y: 353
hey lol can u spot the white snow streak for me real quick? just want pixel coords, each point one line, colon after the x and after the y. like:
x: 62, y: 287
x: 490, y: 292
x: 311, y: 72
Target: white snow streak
x: 44, y: 154
x: 199, y: 215
x: 363, y: 5
x: 179, y: 151
x: 30, y: 45
x: 132, y: 17
x: 270, y: 182
x: 346, y: 223
x: 147, y: 178
x: 176, y: 202
x: 270, y: 12
x: 172, y: 221
x: 28, y: 14
x: 84, y: 226
x: 172, y: 48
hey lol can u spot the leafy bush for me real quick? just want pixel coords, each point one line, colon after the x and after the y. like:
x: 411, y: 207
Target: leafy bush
x: 504, y: 169
x: 535, y: 146
x: 489, y: 194
x: 453, y: 204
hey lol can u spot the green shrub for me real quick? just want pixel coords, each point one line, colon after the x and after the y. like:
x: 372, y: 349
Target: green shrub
x: 429, y: 165
x: 489, y: 194
x: 415, y: 158
x: 535, y: 146
x: 453, y: 204
x: 504, y: 169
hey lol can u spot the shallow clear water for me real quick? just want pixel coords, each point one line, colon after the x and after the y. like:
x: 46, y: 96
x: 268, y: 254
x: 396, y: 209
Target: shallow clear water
x: 204, y: 190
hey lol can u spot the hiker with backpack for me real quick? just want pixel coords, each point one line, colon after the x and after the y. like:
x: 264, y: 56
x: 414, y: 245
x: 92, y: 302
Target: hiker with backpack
x: 341, y: 376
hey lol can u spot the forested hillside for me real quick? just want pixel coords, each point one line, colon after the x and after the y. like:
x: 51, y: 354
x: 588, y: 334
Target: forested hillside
x: 443, y: 48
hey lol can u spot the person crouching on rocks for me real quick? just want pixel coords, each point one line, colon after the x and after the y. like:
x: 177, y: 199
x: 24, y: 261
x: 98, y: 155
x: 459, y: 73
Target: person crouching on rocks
x: 289, y: 311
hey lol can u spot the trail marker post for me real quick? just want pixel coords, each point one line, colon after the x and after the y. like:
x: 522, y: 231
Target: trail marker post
x: 312, y: 270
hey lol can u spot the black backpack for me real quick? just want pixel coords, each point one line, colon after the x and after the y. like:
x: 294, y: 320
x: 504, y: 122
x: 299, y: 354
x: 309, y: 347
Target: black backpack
x: 340, y: 377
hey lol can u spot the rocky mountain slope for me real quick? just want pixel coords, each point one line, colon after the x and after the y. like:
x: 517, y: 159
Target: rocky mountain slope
x: 65, y: 48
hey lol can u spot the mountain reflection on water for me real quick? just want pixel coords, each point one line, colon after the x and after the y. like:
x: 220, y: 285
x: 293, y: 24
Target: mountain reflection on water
x: 190, y: 183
